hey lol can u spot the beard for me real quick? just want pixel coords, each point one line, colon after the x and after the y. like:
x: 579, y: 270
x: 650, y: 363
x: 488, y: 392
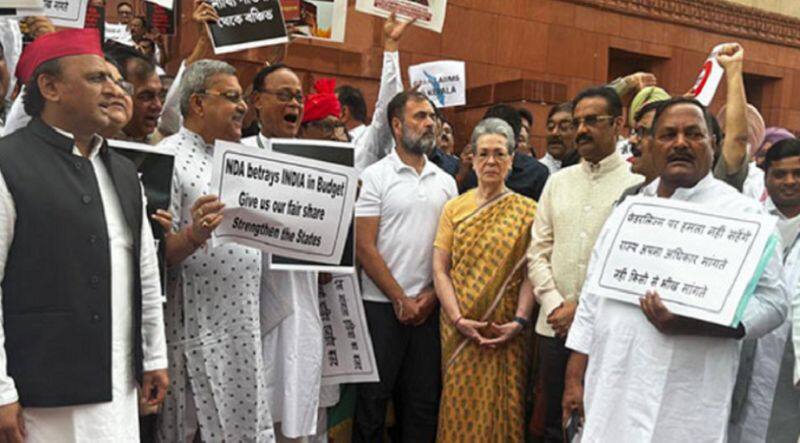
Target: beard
x: 421, y: 144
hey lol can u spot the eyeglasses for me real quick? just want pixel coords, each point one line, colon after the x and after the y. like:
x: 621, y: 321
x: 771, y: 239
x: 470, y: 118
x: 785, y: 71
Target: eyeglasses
x: 329, y: 129
x: 499, y: 156
x: 231, y: 96
x: 126, y: 87
x: 284, y: 95
x: 591, y: 120
x: 563, y: 125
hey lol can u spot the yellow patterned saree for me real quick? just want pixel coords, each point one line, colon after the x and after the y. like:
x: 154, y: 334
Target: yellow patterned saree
x: 482, y: 396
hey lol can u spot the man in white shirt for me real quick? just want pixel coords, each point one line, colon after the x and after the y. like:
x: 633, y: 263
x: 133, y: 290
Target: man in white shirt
x: 770, y: 404
x: 574, y: 205
x: 652, y: 375
x: 81, y: 297
x: 560, y: 139
x: 397, y: 215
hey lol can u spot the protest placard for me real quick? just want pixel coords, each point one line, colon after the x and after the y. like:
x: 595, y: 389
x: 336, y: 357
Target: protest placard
x: 444, y: 82
x: 709, y: 78
x: 699, y: 260
x: 244, y: 24
x: 66, y: 13
x: 429, y: 13
x: 119, y: 33
x: 317, y: 19
x: 330, y: 152
x: 155, y: 172
x: 166, y: 4
x: 161, y: 18
x: 289, y: 206
x: 348, y: 355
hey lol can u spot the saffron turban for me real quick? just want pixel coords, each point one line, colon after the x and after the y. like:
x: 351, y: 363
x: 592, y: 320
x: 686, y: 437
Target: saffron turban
x: 322, y: 104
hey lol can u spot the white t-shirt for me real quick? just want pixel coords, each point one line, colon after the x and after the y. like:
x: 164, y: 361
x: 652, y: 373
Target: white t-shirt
x: 409, y: 205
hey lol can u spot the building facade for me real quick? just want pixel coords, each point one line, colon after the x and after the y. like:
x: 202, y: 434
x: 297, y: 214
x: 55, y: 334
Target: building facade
x: 535, y: 53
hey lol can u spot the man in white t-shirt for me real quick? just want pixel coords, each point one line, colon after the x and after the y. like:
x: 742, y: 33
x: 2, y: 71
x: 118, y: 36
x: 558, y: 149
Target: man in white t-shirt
x: 397, y: 214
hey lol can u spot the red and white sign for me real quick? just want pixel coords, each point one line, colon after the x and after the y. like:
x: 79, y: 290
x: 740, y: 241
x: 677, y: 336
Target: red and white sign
x: 708, y: 80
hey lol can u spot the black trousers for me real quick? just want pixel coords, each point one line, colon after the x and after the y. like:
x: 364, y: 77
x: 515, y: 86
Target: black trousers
x: 409, y: 364
x: 553, y: 357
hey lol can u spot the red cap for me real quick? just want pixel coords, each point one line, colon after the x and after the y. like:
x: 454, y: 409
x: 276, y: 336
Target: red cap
x: 323, y: 103
x: 56, y: 45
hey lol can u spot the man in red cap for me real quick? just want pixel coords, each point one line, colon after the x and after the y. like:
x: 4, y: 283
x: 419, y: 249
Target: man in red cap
x: 80, y: 291
x: 321, y: 114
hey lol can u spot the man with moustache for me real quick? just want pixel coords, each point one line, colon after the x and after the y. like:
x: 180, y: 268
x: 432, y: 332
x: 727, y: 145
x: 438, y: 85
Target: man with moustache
x: 212, y: 312
x: 561, y: 150
x: 79, y: 334
x: 676, y: 374
x: 574, y: 205
x: 402, y: 194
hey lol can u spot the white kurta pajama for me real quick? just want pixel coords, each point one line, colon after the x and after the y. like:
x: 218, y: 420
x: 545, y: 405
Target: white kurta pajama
x: 212, y: 319
x: 771, y: 408
x: 645, y: 386
x: 291, y: 344
x: 118, y: 420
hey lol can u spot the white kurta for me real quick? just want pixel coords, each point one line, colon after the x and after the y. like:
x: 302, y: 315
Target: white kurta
x: 292, y: 347
x: 762, y: 391
x: 213, y: 327
x: 645, y: 386
x: 118, y: 420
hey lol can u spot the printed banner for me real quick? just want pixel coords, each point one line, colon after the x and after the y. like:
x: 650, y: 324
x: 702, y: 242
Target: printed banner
x: 118, y: 33
x: 161, y: 18
x: 66, y: 13
x: 705, y: 87
x: 348, y: 355
x: 699, y: 260
x: 317, y: 19
x: 444, y: 82
x: 297, y: 208
x: 330, y: 152
x: 245, y: 24
x: 429, y: 13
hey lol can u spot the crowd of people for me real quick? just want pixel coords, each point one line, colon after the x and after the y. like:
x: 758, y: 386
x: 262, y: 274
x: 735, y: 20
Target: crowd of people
x: 472, y: 262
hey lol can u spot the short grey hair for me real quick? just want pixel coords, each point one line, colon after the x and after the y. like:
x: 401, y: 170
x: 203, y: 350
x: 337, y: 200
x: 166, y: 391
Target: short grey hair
x: 195, y: 79
x: 496, y: 126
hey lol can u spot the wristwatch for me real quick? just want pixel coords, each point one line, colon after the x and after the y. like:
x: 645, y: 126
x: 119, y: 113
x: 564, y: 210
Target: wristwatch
x: 524, y: 322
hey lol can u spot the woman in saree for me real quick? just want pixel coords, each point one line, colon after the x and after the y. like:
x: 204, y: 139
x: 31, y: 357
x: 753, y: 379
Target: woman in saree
x: 486, y: 299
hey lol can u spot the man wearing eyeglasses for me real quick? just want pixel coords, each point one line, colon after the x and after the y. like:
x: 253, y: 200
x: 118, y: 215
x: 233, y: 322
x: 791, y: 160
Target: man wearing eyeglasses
x: 560, y: 139
x: 212, y: 312
x: 573, y: 207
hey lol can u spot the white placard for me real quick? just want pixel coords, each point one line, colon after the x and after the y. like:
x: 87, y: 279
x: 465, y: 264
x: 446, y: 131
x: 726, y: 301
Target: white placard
x: 444, y: 82
x: 348, y: 355
x: 709, y: 78
x: 66, y: 13
x: 429, y: 13
x: 293, y: 207
x: 699, y: 260
x: 167, y: 4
